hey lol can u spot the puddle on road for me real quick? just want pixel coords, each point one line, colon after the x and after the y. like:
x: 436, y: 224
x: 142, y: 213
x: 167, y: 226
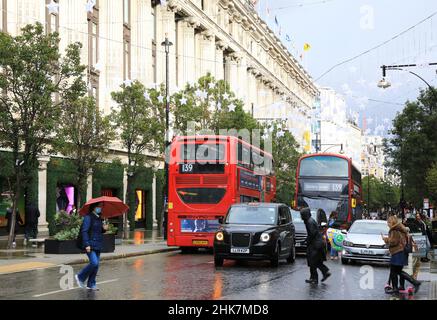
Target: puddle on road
x: 9, y: 255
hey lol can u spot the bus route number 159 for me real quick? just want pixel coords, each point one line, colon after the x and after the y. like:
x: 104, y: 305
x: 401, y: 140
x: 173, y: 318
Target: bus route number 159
x: 187, y: 168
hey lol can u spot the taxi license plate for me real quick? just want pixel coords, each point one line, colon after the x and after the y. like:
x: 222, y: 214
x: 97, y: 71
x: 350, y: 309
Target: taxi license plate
x: 239, y: 250
x: 369, y: 252
x: 200, y: 242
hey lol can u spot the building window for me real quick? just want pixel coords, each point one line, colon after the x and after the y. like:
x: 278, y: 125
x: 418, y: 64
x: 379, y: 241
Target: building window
x: 3, y: 15
x: 52, y: 19
x: 126, y: 12
x: 126, y: 60
x: 153, y: 12
x: 93, y: 52
x: 126, y: 40
x: 93, y: 36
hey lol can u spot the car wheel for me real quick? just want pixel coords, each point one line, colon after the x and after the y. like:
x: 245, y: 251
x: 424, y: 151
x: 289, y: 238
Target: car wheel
x: 344, y: 261
x: 292, y: 256
x: 218, y: 262
x: 274, y: 262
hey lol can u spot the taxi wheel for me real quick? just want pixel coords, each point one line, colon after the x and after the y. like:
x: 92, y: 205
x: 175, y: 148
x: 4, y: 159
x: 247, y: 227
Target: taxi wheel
x: 274, y: 262
x: 292, y: 256
x: 218, y: 262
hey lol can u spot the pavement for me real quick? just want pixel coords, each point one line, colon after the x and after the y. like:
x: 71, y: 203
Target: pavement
x: 27, y: 258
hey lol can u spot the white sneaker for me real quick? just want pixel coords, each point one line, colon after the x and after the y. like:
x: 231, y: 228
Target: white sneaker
x: 25, y: 241
x: 14, y: 244
x: 93, y: 288
x: 79, y: 283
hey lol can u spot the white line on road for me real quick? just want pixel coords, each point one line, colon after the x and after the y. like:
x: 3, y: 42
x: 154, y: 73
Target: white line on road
x: 74, y: 288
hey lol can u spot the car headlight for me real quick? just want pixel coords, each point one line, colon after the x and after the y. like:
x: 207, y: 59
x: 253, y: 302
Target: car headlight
x: 265, y: 237
x: 219, y: 236
x: 348, y: 243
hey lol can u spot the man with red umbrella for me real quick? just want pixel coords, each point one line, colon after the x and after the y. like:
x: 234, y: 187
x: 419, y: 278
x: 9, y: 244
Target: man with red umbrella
x: 92, y: 240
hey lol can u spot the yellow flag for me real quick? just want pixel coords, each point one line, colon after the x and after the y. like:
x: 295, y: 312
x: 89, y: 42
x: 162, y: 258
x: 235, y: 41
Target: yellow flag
x: 306, y: 47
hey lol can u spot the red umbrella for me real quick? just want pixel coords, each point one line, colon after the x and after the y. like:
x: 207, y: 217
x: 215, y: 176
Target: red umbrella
x: 111, y: 207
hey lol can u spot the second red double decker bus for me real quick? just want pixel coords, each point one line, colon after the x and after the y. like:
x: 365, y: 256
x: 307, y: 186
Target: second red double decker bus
x: 207, y: 174
x: 330, y: 182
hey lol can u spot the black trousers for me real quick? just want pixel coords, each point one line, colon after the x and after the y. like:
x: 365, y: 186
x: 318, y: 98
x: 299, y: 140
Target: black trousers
x: 313, y: 270
x: 398, y: 277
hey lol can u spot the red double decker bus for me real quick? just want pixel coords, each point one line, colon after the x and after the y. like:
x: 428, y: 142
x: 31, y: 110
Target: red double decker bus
x: 207, y: 174
x: 332, y: 183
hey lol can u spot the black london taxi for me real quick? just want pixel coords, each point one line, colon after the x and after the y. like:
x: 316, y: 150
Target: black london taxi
x: 256, y: 231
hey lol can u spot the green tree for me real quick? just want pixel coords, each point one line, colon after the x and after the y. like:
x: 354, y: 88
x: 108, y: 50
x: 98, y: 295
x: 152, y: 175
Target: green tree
x: 33, y: 72
x: 382, y: 193
x: 211, y: 105
x: 431, y: 181
x: 139, y: 120
x: 413, y: 148
x: 84, y: 136
x: 285, y: 155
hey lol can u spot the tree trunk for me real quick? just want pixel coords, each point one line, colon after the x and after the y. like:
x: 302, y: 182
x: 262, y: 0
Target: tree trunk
x: 14, y: 209
x: 125, y: 216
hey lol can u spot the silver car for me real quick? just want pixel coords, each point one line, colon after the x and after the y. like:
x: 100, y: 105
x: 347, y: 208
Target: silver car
x: 363, y: 242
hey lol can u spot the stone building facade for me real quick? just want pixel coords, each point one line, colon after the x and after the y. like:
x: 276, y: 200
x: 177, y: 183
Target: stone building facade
x: 122, y: 41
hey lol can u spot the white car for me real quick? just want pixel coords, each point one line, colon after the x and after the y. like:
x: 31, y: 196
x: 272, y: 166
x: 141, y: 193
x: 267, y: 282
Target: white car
x: 363, y: 242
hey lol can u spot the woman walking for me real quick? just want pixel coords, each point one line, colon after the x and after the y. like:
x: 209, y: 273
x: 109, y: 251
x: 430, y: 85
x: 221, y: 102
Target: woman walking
x: 397, y: 241
x: 92, y: 238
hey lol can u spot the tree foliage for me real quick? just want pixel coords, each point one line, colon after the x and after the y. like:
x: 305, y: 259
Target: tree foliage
x: 84, y: 136
x: 431, y: 181
x: 33, y: 73
x: 383, y: 194
x: 413, y: 147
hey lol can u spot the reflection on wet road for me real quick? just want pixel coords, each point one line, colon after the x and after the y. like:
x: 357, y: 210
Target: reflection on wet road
x: 193, y: 276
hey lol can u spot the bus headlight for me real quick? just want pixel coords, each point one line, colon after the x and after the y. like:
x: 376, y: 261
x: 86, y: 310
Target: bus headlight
x: 219, y: 236
x: 265, y: 237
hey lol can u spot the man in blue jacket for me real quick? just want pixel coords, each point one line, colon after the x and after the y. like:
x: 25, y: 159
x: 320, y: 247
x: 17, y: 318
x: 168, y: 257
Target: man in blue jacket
x: 92, y: 235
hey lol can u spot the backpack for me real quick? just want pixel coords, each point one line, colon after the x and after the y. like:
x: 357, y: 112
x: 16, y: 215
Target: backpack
x: 79, y: 239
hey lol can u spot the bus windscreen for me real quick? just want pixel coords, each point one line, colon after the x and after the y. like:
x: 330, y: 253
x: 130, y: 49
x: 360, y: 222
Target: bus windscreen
x: 323, y: 166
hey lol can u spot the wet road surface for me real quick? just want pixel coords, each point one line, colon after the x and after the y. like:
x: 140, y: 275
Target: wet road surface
x: 193, y: 276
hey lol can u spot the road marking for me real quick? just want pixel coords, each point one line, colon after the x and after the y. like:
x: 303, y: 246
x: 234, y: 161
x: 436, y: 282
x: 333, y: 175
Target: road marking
x: 25, y: 266
x: 74, y: 288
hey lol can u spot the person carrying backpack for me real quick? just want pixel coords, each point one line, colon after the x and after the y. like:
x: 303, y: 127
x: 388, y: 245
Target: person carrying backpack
x: 91, y: 234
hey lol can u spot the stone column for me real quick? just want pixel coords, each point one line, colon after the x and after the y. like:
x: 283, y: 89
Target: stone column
x: 207, y: 50
x: 42, y: 194
x: 220, y: 46
x: 167, y: 26
x: 186, y: 52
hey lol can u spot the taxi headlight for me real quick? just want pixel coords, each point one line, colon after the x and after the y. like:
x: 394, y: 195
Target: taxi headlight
x: 265, y: 237
x: 219, y: 236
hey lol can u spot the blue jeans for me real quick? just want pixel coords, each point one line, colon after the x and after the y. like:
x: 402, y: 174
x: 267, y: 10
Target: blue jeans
x: 90, y: 271
x: 334, y: 253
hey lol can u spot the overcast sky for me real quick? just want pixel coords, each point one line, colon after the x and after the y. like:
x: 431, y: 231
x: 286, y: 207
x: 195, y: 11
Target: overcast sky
x: 341, y: 29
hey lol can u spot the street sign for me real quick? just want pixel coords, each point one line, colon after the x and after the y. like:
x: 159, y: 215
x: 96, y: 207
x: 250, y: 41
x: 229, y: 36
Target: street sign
x: 426, y: 204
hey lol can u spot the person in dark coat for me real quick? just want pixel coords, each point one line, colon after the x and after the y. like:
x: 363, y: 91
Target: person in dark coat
x: 315, y: 248
x: 31, y: 227
x: 92, y: 235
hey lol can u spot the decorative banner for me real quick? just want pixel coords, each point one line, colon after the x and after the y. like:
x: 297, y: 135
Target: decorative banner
x: 336, y: 238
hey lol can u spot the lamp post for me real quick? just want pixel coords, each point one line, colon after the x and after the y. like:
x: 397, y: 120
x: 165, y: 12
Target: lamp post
x: 384, y: 84
x: 166, y: 44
